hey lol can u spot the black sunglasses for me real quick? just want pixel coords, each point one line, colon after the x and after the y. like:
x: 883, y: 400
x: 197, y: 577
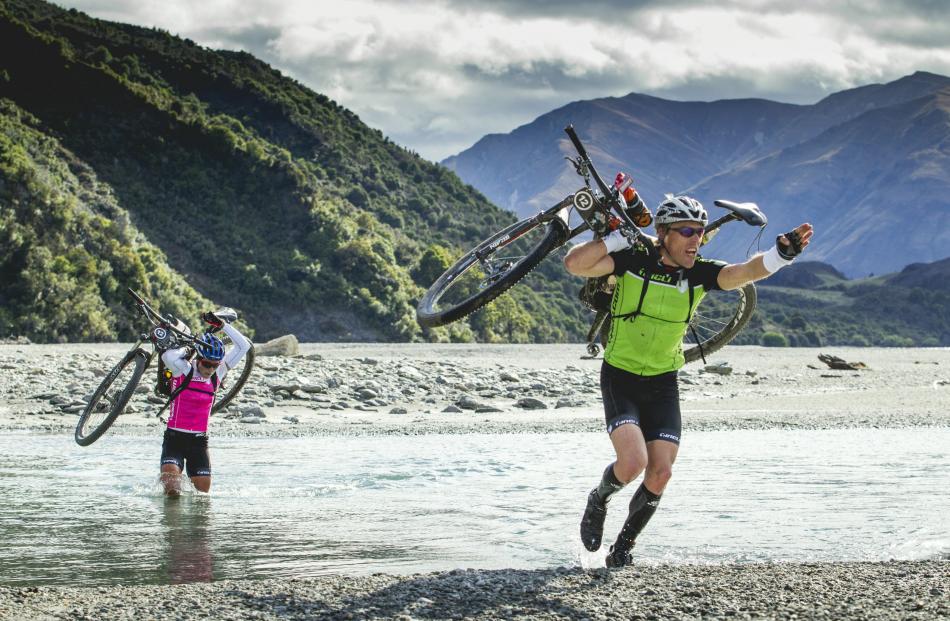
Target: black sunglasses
x: 689, y: 231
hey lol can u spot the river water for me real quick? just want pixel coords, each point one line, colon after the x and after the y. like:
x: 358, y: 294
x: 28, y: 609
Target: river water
x: 357, y: 505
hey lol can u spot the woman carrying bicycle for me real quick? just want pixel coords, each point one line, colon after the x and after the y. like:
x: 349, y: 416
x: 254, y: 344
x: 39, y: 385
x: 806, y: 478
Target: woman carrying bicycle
x: 657, y: 292
x: 194, y: 384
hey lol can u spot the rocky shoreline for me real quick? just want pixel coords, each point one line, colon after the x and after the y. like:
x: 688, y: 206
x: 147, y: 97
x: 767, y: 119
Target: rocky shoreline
x: 884, y: 591
x: 419, y: 389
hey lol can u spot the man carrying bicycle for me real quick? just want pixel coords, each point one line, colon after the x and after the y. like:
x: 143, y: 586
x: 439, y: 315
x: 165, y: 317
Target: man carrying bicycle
x: 658, y: 289
x: 194, y: 384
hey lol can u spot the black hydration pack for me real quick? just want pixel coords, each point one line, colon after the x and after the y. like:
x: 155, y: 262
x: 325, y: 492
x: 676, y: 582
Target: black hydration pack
x: 595, y: 296
x: 163, y: 387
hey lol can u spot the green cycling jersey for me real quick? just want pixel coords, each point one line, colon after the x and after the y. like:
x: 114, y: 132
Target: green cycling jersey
x: 651, y: 308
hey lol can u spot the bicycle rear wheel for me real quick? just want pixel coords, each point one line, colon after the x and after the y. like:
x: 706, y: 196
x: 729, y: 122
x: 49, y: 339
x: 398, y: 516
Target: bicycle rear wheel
x: 111, y: 397
x: 232, y: 388
x: 489, y: 270
x: 718, y: 320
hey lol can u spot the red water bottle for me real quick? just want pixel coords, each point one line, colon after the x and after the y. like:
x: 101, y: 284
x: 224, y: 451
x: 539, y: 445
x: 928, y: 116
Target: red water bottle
x: 624, y: 186
x: 636, y: 208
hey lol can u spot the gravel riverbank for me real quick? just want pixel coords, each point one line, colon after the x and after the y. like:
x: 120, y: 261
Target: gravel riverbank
x: 422, y: 388
x: 889, y: 590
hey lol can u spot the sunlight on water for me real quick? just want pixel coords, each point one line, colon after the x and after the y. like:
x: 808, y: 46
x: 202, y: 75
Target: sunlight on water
x: 309, y: 506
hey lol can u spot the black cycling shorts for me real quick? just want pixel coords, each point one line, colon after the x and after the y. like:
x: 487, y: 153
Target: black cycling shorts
x: 650, y: 402
x: 191, y: 449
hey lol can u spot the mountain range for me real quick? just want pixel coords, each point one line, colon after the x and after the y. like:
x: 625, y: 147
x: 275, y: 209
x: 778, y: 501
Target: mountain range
x: 869, y: 166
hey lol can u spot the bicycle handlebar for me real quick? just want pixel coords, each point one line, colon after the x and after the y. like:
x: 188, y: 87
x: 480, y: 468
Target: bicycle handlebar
x: 157, y: 320
x: 590, y: 165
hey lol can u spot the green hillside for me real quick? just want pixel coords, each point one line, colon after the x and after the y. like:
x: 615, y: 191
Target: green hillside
x: 68, y: 251
x: 262, y: 194
x: 814, y: 305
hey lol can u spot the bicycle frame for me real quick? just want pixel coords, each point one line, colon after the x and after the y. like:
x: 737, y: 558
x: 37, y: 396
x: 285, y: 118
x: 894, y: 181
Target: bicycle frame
x: 157, y: 321
x: 609, y: 202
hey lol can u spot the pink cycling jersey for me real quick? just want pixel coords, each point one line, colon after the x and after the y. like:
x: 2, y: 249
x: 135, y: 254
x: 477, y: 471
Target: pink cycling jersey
x: 192, y: 407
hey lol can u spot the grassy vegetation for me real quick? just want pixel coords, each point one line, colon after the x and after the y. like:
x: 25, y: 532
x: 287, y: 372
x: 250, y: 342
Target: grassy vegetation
x: 67, y: 250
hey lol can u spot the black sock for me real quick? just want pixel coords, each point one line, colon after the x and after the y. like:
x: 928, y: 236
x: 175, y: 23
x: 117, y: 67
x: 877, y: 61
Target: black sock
x: 642, y: 507
x: 609, y: 485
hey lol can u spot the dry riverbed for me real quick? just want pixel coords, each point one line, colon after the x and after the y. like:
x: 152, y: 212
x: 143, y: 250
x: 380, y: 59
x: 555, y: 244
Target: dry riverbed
x: 416, y: 389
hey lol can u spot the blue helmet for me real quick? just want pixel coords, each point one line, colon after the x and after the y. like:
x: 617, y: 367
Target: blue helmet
x: 209, y: 347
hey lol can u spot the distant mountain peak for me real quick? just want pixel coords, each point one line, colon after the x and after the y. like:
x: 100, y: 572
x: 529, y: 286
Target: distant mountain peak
x: 842, y: 163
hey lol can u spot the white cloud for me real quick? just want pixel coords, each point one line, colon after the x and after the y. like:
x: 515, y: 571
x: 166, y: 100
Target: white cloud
x: 437, y: 75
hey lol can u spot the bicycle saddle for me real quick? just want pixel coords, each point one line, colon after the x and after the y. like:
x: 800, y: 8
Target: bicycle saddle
x: 226, y: 314
x: 747, y: 212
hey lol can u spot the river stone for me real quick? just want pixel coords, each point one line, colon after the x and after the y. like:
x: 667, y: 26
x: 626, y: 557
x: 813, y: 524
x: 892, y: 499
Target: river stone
x: 292, y: 419
x: 410, y: 373
x: 366, y: 394
x: 288, y: 388
x: 452, y: 409
x: 254, y: 411
x: 485, y: 409
x: 399, y: 411
x: 720, y: 369
x: 530, y: 403
x: 286, y: 345
x: 466, y: 402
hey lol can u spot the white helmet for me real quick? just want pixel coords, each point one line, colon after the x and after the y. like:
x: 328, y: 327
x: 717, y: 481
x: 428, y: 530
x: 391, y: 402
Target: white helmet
x: 680, y: 209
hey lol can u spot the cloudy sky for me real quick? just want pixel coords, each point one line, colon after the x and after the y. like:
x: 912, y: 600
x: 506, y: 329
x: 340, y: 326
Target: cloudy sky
x: 436, y: 75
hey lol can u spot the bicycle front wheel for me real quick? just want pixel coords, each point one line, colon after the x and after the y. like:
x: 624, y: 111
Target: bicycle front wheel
x: 111, y: 397
x: 489, y: 270
x: 718, y: 320
x: 232, y: 388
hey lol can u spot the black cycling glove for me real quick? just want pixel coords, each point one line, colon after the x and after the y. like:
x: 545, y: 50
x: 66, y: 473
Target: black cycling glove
x: 792, y: 249
x: 212, y: 319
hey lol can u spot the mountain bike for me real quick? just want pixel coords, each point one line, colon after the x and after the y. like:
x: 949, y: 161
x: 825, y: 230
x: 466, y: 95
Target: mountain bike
x: 498, y: 263
x: 116, y: 390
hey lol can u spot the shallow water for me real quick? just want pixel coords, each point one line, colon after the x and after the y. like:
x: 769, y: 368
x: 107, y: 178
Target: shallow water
x: 355, y: 505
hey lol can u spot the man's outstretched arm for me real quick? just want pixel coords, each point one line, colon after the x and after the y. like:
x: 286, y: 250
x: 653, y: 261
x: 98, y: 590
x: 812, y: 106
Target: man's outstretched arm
x: 767, y: 263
